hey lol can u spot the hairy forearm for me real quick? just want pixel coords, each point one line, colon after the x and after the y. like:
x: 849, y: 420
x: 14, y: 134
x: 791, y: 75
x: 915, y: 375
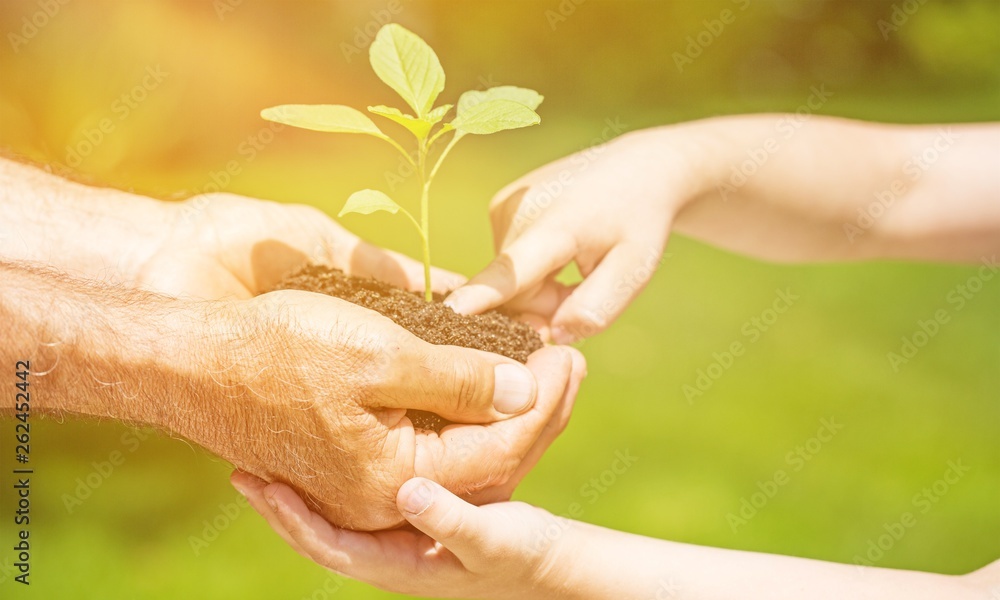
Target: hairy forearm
x: 788, y: 188
x: 86, y: 231
x: 101, y: 350
x: 609, y: 564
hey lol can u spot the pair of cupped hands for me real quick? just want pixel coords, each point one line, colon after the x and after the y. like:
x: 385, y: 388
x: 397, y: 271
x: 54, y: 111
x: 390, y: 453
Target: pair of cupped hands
x: 335, y: 459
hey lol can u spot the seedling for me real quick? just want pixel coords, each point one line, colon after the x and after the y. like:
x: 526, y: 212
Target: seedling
x: 404, y: 62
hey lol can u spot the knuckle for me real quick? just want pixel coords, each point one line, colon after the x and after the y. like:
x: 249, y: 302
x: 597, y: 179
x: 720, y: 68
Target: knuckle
x: 452, y: 526
x: 467, y: 386
x: 585, y: 322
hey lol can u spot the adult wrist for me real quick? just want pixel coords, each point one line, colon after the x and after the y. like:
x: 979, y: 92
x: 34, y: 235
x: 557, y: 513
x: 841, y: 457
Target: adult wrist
x: 86, y: 231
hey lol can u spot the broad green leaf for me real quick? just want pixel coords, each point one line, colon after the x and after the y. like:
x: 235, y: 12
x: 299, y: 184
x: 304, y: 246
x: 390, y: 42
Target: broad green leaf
x: 322, y: 117
x: 418, y: 127
x: 366, y: 202
x: 529, y: 98
x: 408, y: 65
x: 493, y: 116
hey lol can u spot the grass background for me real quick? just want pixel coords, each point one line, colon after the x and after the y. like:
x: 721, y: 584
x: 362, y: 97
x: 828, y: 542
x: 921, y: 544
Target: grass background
x: 824, y: 358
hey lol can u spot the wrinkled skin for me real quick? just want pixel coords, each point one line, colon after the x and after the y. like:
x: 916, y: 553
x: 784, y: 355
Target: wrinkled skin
x: 316, y: 388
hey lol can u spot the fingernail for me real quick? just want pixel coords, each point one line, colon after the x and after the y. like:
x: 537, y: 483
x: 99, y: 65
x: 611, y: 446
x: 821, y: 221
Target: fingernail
x: 419, y: 499
x: 453, y: 301
x: 513, y: 388
x: 271, y: 502
x: 561, y: 336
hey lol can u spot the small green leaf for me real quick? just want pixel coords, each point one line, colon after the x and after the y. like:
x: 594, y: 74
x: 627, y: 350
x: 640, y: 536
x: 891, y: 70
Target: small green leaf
x: 322, y: 117
x: 495, y: 115
x: 408, y: 65
x: 529, y: 98
x: 418, y: 127
x: 366, y: 202
x: 438, y: 113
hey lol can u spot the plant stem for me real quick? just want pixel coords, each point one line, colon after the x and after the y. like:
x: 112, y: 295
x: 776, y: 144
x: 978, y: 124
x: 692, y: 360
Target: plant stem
x: 425, y: 184
x: 396, y: 145
x: 451, y: 143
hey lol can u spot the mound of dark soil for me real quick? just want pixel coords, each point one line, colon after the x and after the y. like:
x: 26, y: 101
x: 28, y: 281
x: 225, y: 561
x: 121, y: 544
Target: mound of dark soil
x: 493, y: 331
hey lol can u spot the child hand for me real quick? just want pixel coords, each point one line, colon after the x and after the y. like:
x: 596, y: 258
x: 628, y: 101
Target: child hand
x: 503, y: 550
x: 608, y: 209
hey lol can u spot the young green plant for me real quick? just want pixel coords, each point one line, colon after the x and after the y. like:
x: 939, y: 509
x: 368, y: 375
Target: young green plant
x: 404, y: 62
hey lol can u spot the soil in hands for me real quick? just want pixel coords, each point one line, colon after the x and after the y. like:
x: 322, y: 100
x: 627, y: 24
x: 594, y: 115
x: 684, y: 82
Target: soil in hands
x: 493, y: 331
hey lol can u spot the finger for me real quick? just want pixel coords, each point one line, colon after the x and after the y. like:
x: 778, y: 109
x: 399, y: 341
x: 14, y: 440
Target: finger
x: 253, y: 488
x: 553, y: 427
x: 503, y: 212
x: 460, y: 384
x: 542, y: 301
x: 603, y: 296
x: 469, y: 458
x: 379, y: 558
x: 462, y: 528
x: 368, y: 260
x: 539, y: 252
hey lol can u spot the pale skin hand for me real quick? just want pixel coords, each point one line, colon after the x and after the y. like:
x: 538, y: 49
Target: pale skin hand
x: 211, y: 246
x: 514, y: 550
x: 290, y: 386
x: 932, y: 192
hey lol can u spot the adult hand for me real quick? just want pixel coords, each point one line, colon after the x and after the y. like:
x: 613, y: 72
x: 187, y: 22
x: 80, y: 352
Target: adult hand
x: 211, y: 246
x: 380, y: 450
x: 320, y: 400
x: 224, y: 245
x: 292, y: 386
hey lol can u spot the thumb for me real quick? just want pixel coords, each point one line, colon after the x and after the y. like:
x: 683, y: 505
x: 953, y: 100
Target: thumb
x: 460, y: 384
x: 460, y: 527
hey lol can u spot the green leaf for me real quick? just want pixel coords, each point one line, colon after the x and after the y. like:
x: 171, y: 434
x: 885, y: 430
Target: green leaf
x: 495, y: 115
x: 366, y: 202
x: 529, y: 98
x: 418, y: 127
x: 438, y: 113
x: 322, y: 117
x: 408, y: 65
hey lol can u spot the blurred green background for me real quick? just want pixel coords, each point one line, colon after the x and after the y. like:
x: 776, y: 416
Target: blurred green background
x: 222, y: 61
